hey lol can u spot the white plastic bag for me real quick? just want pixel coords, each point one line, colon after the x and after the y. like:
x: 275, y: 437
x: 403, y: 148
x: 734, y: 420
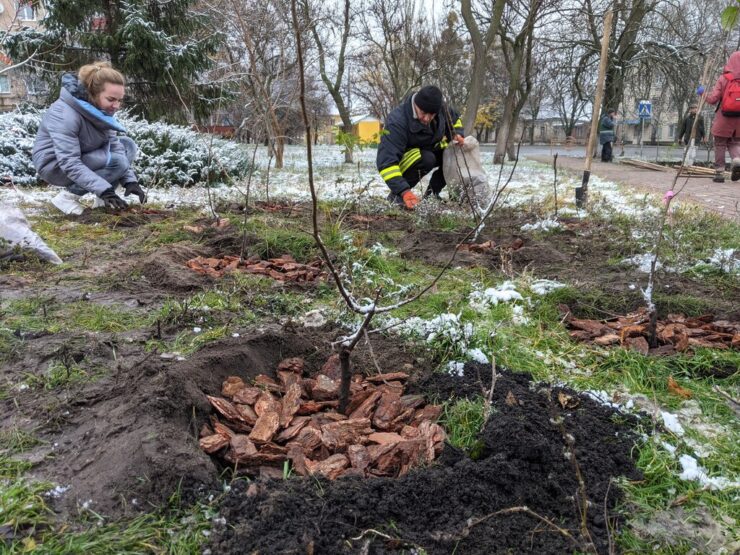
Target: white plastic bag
x: 16, y: 231
x: 464, y: 173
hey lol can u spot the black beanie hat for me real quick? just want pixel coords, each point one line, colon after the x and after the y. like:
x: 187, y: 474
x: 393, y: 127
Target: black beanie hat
x: 429, y: 99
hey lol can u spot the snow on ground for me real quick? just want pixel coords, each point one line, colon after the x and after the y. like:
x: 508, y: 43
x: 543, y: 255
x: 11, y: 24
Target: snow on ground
x: 530, y: 184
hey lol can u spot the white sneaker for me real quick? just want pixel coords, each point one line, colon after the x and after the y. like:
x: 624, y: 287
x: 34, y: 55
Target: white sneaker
x: 68, y: 203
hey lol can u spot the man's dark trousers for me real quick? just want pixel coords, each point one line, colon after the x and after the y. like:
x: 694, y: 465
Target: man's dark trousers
x: 606, y: 152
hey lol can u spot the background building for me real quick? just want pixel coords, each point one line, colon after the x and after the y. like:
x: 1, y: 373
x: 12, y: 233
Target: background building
x: 16, y: 85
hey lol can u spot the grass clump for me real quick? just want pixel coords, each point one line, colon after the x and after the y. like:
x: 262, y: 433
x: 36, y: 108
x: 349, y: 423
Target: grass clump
x: 29, y: 527
x: 60, y: 375
x: 15, y: 440
x: 462, y: 420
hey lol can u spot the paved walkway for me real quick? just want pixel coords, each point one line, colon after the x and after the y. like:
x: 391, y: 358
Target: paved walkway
x: 723, y: 198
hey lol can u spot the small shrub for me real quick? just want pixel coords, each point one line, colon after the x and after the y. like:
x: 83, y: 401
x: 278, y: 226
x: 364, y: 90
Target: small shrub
x: 169, y: 155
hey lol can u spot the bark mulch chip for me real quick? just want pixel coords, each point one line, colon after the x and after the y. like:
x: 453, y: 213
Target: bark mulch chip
x: 537, y: 442
x: 284, y: 268
x: 269, y: 423
x: 675, y: 333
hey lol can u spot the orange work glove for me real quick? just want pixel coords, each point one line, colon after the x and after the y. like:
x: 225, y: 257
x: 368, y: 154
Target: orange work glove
x: 410, y: 200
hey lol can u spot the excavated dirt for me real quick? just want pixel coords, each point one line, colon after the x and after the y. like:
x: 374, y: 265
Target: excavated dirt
x: 134, y: 216
x: 165, y: 268
x: 569, y: 256
x: 127, y: 440
x: 522, y: 461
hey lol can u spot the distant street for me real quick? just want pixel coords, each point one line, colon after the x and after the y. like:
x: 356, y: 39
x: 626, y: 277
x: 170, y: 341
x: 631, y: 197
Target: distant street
x: 649, y: 153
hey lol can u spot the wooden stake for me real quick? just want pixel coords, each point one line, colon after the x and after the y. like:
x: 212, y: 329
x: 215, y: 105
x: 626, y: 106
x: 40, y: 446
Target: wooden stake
x: 582, y: 191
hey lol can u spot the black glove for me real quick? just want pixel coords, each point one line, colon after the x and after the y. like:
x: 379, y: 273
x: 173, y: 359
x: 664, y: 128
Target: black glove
x: 133, y: 188
x: 112, y: 200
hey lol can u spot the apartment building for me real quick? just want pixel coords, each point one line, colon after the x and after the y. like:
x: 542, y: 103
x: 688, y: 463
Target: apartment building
x: 16, y: 87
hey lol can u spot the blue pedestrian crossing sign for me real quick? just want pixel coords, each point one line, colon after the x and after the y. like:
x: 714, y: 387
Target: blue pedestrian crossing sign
x: 644, y: 109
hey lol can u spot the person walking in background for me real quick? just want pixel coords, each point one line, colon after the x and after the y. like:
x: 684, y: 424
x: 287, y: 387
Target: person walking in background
x: 607, y: 134
x: 726, y: 127
x: 684, y: 132
x: 77, y: 146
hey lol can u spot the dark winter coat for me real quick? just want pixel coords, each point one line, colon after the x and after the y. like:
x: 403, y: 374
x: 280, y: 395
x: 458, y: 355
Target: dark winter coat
x: 684, y: 132
x: 606, y: 130
x: 724, y: 126
x: 404, y: 136
x: 75, y: 138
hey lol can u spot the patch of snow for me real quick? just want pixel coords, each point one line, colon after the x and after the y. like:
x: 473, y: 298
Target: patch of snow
x: 691, y: 471
x: 542, y: 225
x: 483, y: 300
x: 456, y: 368
x: 314, y: 319
x: 642, y: 262
x: 518, y: 317
x: 670, y: 421
x: 477, y: 355
x: 545, y: 286
x: 727, y: 260
x: 57, y: 491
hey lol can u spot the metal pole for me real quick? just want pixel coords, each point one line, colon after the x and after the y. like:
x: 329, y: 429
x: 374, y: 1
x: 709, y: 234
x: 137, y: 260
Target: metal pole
x: 642, y: 132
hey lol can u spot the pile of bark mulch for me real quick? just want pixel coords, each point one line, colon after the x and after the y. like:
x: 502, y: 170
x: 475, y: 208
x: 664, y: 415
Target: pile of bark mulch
x: 381, y: 433
x: 284, y: 268
x: 527, y: 457
x: 488, y: 246
x: 220, y: 223
x: 676, y: 333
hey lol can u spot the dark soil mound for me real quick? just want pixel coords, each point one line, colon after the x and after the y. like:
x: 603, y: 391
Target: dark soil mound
x: 165, y: 269
x: 523, y: 462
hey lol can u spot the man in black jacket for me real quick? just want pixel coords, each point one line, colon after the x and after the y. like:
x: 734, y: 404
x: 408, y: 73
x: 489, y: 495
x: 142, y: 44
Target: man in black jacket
x: 684, y: 132
x: 412, y: 142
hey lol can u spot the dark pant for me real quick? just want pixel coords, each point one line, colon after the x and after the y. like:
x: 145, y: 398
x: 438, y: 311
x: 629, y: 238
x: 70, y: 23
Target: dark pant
x: 606, y: 152
x: 722, y: 145
x: 429, y: 161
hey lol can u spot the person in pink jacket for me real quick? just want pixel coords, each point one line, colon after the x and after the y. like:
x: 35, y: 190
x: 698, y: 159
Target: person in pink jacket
x: 726, y: 130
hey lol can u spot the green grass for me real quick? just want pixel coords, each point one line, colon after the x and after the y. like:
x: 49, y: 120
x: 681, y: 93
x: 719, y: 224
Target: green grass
x: 187, y: 342
x: 175, y: 529
x: 67, y: 237
x: 462, y: 420
x: 42, y: 313
x: 15, y: 440
x: 58, y: 375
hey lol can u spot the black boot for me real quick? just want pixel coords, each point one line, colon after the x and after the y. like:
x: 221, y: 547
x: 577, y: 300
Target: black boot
x: 719, y: 176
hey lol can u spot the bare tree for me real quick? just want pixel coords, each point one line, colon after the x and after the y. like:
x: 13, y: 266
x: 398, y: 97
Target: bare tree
x: 517, y: 34
x: 324, y: 26
x: 483, y: 42
x: 397, y: 56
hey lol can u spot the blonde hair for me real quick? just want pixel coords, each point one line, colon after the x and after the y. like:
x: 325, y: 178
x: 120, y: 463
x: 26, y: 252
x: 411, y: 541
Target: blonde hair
x: 94, y: 76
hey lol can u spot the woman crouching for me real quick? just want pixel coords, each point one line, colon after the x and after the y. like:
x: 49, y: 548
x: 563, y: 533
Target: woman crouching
x: 78, y: 147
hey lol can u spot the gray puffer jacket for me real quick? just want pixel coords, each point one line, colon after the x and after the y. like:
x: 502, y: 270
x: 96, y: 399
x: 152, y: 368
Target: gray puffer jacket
x: 75, y: 139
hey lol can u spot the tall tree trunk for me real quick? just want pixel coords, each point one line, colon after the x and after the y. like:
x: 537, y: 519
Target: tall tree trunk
x: 509, y: 105
x: 334, y: 87
x: 481, y: 46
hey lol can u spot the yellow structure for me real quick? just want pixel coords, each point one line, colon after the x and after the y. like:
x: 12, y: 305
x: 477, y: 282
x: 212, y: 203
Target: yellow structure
x: 367, y: 129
